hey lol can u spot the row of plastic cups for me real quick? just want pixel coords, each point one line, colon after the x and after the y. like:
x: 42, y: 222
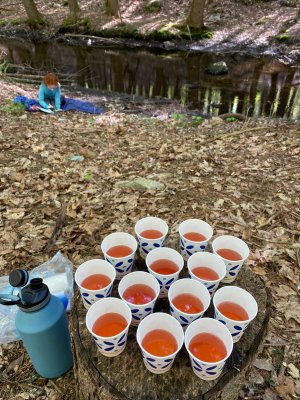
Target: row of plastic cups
x: 95, y: 277
x: 188, y: 298
x: 160, y: 337
x: 119, y: 248
x: 164, y: 263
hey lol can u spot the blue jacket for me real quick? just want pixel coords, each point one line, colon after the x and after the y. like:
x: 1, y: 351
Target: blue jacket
x: 45, y: 93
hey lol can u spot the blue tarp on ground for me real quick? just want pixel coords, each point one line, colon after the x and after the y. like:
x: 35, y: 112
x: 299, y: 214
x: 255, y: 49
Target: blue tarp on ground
x: 70, y: 105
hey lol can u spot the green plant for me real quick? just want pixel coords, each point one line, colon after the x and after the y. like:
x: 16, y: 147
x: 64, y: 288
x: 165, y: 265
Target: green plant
x: 88, y: 176
x: 230, y: 119
x: 283, y: 38
x: 13, y: 108
x: 178, y: 116
x: 197, y: 120
x: 153, y: 6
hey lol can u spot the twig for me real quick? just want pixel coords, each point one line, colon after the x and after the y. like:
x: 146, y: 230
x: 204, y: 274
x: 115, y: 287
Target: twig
x: 222, y: 136
x: 57, y: 230
x: 55, y: 386
x: 269, y: 240
x: 283, y: 367
x: 268, y: 221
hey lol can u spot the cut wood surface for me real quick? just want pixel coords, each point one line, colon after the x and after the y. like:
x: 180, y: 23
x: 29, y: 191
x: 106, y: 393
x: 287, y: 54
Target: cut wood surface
x: 126, y: 377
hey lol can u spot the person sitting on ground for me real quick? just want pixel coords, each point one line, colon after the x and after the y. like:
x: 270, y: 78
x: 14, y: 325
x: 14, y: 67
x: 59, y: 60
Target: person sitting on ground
x: 49, y: 95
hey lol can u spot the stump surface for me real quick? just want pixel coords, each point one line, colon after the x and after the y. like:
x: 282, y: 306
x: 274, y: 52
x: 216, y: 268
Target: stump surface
x: 126, y: 377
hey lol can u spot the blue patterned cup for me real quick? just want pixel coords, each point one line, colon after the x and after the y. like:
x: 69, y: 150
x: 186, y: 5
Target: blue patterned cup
x: 204, y: 369
x: 235, y: 244
x: 109, y: 346
x: 123, y: 265
x: 208, y: 260
x: 165, y: 281
x: 161, y: 321
x: 139, y: 311
x: 190, y: 287
x: 189, y: 247
x: 243, y: 299
x: 93, y: 267
x: 150, y: 223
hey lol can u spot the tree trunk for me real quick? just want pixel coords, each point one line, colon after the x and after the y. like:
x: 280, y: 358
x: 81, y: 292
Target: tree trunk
x: 73, y: 7
x: 112, y: 8
x: 195, y: 17
x: 34, y: 17
x: 126, y: 378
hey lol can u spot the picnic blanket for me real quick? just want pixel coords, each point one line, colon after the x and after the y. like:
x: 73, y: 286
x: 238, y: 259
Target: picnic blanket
x: 70, y: 104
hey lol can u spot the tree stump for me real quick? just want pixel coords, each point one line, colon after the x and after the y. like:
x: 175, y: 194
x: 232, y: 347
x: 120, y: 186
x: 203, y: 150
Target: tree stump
x: 126, y: 377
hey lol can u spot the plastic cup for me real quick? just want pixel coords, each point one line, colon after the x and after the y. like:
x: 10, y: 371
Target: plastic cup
x: 155, y: 364
x: 139, y: 311
x: 146, y: 245
x: 114, y: 345
x: 194, y: 288
x: 92, y: 267
x: 206, y: 259
x: 189, y: 247
x: 242, y: 298
x: 123, y: 265
x: 232, y: 243
x: 203, y: 369
x: 165, y: 281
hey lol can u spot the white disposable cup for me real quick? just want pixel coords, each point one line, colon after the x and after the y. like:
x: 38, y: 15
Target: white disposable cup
x: 232, y: 243
x: 139, y: 311
x: 114, y: 345
x: 146, y: 245
x: 188, y: 286
x: 189, y: 247
x: 123, y: 265
x: 155, y: 364
x: 92, y: 267
x: 241, y: 297
x: 208, y: 370
x: 165, y: 281
x: 209, y: 260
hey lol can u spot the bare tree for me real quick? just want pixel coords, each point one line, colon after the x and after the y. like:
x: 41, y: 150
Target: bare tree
x: 34, y: 17
x: 196, y: 14
x: 112, y: 8
x: 73, y: 7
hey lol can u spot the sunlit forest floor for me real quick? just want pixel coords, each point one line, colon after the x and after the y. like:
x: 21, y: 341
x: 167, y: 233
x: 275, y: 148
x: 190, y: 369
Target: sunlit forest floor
x: 242, y: 177
x: 233, y: 23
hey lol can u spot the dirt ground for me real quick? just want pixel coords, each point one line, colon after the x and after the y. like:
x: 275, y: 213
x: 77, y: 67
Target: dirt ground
x: 242, y: 177
x: 246, y: 24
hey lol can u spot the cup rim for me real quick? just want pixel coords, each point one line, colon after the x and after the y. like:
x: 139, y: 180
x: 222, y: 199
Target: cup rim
x: 119, y: 258
x: 199, y: 359
x: 226, y: 259
x: 206, y: 280
x: 179, y: 346
x: 157, y: 218
x: 182, y: 312
x: 198, y: 220
x: 95, y: 290
x: 233, y: 320
x: 144, y: 304
x: 107, y: 337
x: 162, y: 258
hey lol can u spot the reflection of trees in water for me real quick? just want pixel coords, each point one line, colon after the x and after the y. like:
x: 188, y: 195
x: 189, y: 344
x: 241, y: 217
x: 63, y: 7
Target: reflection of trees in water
x: 260, y: 86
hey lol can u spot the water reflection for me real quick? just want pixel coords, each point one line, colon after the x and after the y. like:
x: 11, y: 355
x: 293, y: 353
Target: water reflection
x: 253, y: 86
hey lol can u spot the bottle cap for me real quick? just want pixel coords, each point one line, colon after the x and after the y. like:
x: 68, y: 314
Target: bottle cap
x: 18, y: 277
x: 34, y: 296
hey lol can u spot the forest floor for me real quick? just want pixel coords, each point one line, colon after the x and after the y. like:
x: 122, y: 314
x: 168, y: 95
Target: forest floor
x: 242, y: 177
x: 269, y: 26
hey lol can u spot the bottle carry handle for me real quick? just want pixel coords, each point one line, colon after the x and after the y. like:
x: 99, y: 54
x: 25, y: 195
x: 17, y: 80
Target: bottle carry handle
x: 9, y: 299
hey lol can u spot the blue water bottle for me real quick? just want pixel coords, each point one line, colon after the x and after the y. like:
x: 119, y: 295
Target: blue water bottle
x: 42, y: 324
